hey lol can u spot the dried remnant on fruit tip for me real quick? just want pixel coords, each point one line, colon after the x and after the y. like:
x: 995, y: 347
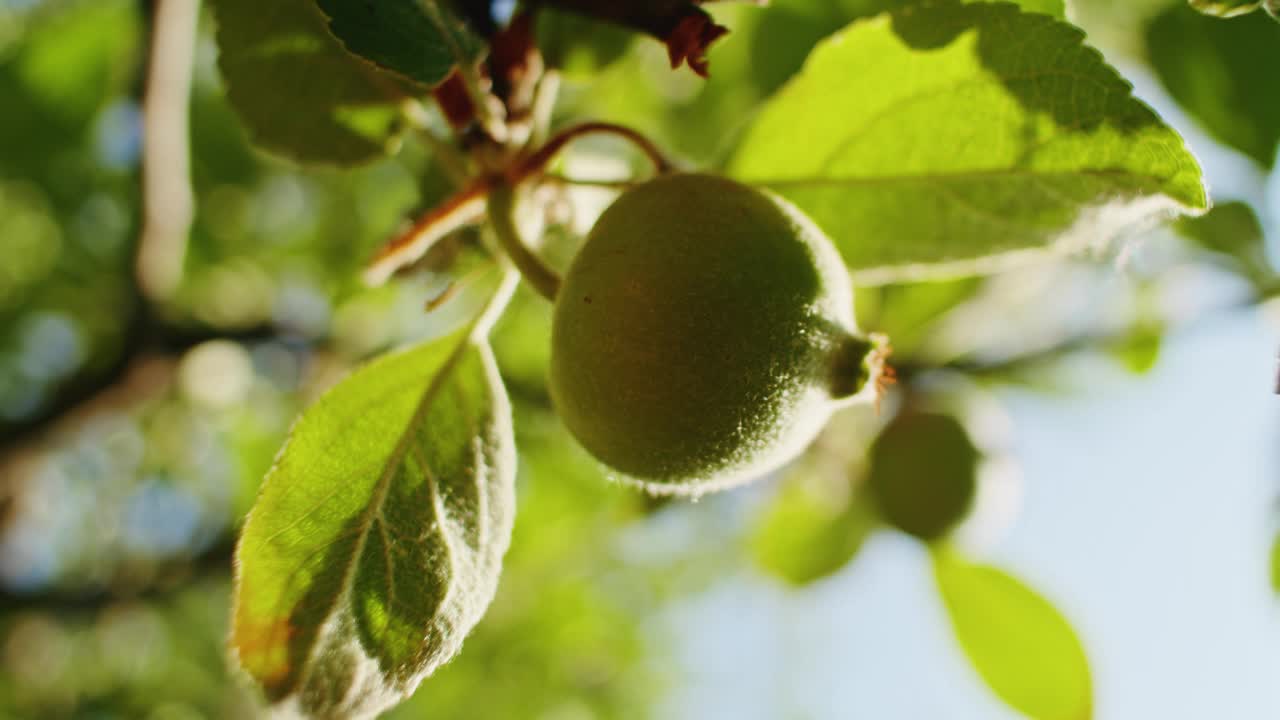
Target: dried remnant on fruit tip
x: 686, y: 29
x: 699, y: 333
x: 691, y: 39
x: 858, y: 367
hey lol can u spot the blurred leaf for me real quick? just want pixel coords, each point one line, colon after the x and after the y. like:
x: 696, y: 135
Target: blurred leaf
x: 1232, y: 8
x: 1275, y: 564
x: 1233, y: 231
x: 577, y: 45
x: 79, y: 57
x: 1139, y: 350
x: 1056, y: 8
x: 73, y: 60
x: 295, y: 88
x: 908, y: 313
x: 419, y: 39
x: 1020, y: 644
x: 865, y: 8
x: 968, y: 135
x: 377, y: 540
x: 805, y: 536
x: 1223, y: 73
x: 923, y: 473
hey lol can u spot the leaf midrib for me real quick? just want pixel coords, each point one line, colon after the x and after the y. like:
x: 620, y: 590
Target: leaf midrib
x: 949, y: 176
x: 381, y: 489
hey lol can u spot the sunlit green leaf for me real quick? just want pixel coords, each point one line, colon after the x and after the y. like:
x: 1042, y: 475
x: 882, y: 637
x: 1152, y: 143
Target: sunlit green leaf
x: 1231, y: 8
x: 1018, y: 642
x: 378, y: 537
x: 298, y: 92
x: 923, y: 473
x: 420, y: 39
x: 1223, y: 73
x: 807, y: 534
x: 951, y: 139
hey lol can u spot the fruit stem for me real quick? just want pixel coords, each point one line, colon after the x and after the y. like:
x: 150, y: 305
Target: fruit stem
x: 539, y: 160
x: 502, y: 208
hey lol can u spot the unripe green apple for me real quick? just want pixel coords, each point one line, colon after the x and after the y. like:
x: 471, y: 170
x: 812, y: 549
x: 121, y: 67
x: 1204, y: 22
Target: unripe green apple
x: 923, y: 473
x: 703, y: 335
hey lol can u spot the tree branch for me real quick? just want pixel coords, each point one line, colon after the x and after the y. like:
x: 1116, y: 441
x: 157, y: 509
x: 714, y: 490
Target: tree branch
x: 168, y: 205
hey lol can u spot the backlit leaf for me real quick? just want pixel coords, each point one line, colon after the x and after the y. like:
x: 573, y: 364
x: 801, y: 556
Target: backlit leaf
x: 1018, y: 642
x: 377, y: 540
x: 806, y: 535
x: 297, y: 91
x: 948, y: 138
x: 1139, y: 350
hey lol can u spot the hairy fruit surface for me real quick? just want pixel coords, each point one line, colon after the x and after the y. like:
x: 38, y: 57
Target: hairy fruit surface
x: 703, y: 334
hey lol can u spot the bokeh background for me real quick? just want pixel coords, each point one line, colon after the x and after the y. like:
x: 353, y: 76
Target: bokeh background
x: 1123, y: 403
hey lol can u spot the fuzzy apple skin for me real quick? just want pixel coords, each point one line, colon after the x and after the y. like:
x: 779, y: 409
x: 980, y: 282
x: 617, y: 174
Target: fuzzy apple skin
x: 702, y: 335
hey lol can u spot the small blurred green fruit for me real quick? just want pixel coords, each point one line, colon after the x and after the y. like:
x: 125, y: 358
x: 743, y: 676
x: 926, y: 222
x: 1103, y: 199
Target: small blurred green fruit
x: 923, y: 473
x: 703, y: 335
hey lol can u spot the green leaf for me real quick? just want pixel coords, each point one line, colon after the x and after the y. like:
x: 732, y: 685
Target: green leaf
x: 909, y: 313
x: 1056, y: 8
x: 1275, y: 564
x: 866, y: 8
x: 807, y: 534
x: 419, y: 39
x: 1233, y: 233
x: 1020, y: 644
x: 297, y: 91
x: 377, y: 539
x: 1139, y: 350
x: 1223, y: 73
x: 946, y: 138
x: 78, y: 58
x: 579, y: 46
x: 1232, y: 8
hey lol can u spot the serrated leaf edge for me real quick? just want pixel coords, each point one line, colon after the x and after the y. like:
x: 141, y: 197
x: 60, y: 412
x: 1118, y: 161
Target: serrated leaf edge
x: 474, y: 336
